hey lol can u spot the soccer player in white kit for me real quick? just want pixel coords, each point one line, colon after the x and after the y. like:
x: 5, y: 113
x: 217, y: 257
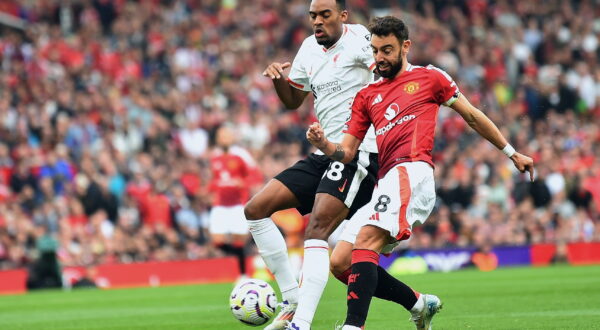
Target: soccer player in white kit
x: 333, y: 64
x: 403, y: 107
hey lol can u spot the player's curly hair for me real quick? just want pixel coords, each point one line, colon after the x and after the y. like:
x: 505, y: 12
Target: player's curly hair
x: 386, y: 25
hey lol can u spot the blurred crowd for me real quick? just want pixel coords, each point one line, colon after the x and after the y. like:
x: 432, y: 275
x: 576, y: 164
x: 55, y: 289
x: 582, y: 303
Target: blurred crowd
x: 108, y: 111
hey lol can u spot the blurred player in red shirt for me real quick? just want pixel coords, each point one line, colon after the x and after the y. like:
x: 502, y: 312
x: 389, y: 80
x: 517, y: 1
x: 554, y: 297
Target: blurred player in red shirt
x: 403, y: 107
x: 227, y: 224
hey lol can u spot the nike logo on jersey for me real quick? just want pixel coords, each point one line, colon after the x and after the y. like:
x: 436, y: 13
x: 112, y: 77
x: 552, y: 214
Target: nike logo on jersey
x: 378, y: 99
x: 341, y: 189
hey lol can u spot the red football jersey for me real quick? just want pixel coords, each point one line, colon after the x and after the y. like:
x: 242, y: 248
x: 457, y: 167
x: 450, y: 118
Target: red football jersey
x: 403, y: 111
x: 229, y: 174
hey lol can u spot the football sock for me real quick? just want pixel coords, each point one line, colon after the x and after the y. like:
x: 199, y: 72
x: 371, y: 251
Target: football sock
x: 361, y: 286
x: 419, y: 304
x: 238, y: 251
x: 273, y: 250
x: 315, y: 272
x: 388, y: 288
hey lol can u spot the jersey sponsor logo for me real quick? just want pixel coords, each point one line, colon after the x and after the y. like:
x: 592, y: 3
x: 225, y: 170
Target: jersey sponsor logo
x: 392, y: 111
x: 393, y: 124
x: 412, y: 87
x: 378, y: 99
x: 326, y: 88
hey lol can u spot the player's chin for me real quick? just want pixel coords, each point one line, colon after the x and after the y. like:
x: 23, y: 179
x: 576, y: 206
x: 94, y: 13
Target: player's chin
x: 323, y: 40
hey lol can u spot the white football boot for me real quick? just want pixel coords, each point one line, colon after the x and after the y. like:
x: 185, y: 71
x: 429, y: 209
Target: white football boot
x: 422, y: 319
x: 286, y: 314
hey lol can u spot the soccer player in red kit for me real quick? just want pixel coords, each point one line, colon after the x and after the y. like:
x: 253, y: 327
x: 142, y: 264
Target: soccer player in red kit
x: 228, y: 187
x: 403, y: 107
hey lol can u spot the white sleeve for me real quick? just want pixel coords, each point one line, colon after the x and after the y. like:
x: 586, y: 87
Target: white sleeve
x: 364, y: 53
x: 298, y: 78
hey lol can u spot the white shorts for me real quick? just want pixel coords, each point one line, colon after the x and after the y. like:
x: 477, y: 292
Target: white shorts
x: 405, y: 195
x: 228, y: 220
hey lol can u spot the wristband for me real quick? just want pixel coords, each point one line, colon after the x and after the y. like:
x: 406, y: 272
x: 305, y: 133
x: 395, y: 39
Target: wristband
x: 509, y: 150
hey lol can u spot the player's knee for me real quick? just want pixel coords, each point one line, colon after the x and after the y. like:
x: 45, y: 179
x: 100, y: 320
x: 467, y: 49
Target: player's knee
x: 253, y: 211
x: 337, y: 266
x: 319, y: 228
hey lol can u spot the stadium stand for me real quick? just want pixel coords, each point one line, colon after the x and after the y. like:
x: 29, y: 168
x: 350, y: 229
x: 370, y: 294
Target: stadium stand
x: 108, y: 111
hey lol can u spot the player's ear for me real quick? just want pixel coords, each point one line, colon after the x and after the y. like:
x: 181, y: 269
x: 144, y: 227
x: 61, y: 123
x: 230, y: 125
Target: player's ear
x: 406, y: 46
x: 344, y: 16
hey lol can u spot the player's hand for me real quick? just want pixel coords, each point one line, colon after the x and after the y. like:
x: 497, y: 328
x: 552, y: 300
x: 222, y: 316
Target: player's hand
x: 275, y: 70
x: 316, y: 136
x: 523, y: 163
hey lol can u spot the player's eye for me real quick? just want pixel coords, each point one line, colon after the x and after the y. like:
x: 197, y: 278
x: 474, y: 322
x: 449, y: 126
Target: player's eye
x: 313, y: 16
x: 387, y: 52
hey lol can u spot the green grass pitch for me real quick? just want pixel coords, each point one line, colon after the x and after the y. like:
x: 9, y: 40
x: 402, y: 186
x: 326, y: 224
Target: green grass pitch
x: 559, y: 297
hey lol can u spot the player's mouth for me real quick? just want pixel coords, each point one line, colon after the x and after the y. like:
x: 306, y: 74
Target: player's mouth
x: 383, y: 66
x: 319, y: 33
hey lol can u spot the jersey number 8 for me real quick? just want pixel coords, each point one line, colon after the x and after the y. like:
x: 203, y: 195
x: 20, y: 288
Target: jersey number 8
x: 334, y: 172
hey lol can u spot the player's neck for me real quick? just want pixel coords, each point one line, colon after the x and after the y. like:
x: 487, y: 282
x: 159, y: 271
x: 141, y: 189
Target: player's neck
x: 403, y: 69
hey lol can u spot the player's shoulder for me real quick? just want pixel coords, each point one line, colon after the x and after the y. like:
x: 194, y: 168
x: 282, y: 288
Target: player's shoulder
x: 428, y: 69
x: 357, y: 33
x: 370, y: 88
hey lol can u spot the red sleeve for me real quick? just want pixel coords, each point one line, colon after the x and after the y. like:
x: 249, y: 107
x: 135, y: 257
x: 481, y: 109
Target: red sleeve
x: 359, y: 121
x: 447, y: 91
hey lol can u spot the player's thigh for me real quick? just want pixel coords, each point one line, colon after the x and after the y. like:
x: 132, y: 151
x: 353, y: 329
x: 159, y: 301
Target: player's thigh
x: 372, y: 238
x: 273, y: 197
x: 300, y: 181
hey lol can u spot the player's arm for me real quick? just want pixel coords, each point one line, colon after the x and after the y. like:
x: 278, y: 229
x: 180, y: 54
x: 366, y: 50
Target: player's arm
x: 487, y: 129
x: 290, y: 96
x: 342, y: 152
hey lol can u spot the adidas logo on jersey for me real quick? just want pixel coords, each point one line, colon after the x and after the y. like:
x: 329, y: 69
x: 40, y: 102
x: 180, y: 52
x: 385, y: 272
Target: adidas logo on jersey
x: 378, y: 99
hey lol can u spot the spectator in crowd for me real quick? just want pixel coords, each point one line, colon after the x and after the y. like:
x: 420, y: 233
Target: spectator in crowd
x: 112, y: 104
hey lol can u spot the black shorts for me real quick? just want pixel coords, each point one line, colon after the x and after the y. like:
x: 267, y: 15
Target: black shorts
x: 352, y: 183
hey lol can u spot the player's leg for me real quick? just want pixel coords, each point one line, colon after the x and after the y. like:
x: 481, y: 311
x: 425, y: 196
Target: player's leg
x: 362, y: 282
x: 239, y: 235
x: 275, y: 196
x: 337, y: 192
x: 327, y: 214
x: 294, y: 187
x: 388, y: 287
x: 218, y: 231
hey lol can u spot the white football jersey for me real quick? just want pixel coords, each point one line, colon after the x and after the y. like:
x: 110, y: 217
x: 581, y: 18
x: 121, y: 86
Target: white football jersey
x: 334, y: 76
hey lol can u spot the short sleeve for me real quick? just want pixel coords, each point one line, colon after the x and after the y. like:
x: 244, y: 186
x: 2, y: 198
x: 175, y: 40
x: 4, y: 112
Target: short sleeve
x: 359, y: 121
x: 298, y: 77
x: 364, y: 53
x: 447, y: 91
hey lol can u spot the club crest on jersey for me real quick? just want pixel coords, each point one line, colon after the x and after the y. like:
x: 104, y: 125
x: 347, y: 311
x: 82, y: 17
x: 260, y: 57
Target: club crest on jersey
x: 412, y: 87
x: 392, y: 111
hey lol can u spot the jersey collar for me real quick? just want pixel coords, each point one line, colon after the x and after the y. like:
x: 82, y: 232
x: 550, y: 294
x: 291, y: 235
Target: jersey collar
x: 337, y: 42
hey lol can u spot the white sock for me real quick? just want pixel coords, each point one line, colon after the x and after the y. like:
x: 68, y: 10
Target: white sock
x: 273, y: 250
x: 419, y: 305
x: 315, y: 273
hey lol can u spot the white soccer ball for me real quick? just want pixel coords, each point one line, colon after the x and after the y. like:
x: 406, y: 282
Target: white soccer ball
x: 253, y: 302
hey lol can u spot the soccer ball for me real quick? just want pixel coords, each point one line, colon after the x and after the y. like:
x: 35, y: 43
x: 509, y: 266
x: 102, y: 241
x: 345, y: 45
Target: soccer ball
x: 253, y: 302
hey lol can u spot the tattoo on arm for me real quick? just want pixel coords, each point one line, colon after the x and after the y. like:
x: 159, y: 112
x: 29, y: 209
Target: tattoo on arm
x: 338, y: 154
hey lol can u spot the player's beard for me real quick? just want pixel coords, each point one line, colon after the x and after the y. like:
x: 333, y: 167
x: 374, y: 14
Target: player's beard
x: 393, y: 70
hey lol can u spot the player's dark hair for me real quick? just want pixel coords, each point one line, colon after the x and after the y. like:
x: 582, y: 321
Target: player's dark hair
x: 341, y: 4
x: 386, y: 25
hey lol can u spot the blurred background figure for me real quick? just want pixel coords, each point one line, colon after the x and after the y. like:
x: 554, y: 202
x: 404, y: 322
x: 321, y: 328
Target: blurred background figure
x: 229, y: 191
